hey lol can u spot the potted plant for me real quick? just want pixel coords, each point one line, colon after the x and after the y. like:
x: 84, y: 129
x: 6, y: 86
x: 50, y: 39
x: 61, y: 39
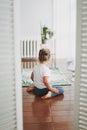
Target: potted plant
x: 46, y: 34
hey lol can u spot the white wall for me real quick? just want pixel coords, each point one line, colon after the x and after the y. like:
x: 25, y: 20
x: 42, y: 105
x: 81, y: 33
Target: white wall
x: 65, y: 28
x: 73, y: 28
x: 36, y: 13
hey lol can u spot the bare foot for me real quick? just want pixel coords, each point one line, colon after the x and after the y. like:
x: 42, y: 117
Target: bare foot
x: 30, y: 88
x: 48, y: 95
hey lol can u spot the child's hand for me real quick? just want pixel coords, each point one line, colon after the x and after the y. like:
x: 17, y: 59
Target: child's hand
x: 55, y: 90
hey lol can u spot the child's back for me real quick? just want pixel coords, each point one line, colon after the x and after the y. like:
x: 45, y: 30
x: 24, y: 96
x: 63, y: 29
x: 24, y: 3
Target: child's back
x: 40, y: 76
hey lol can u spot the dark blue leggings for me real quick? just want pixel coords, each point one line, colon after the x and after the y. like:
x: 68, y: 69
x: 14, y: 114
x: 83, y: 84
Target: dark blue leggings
x: 44, y: 91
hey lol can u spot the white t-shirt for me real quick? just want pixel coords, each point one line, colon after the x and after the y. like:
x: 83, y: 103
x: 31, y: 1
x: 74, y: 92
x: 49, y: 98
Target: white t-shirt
x: 40, y: 71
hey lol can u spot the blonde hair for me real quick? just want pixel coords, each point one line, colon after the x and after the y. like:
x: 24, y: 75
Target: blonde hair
x: 44, y: 55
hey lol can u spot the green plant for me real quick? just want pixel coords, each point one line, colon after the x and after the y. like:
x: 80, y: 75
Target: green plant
x: 46, y: 34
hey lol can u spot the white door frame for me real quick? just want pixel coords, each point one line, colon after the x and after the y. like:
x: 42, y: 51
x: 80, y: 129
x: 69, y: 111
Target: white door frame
x: 18, y: 65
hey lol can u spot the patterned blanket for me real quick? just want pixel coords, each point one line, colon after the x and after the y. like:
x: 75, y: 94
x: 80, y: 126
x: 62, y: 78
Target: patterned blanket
x: 57, y: 78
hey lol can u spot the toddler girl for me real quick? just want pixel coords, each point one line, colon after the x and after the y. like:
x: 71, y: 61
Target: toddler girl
x: 40, y: 76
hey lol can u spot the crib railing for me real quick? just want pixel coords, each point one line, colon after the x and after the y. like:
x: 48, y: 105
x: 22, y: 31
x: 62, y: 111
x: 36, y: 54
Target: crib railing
x: 29, y: 52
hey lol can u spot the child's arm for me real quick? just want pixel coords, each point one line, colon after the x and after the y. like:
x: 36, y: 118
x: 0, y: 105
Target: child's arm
x: 47, y: 84
x: 32, y: 76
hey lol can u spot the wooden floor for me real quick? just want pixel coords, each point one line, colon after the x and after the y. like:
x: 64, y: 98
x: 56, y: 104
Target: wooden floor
x: 50, y: 114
